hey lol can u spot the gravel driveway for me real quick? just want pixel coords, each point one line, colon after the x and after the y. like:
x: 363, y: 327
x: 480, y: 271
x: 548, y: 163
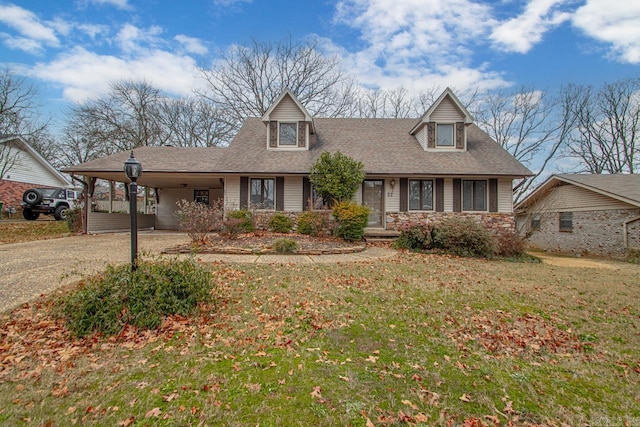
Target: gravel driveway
x: 34, y: 268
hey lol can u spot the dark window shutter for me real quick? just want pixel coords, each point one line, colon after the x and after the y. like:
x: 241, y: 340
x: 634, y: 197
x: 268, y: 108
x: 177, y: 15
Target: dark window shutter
x: 460, y: 135
x: 306, y: 193
x: 493, y: 195
x: 244, y: 192
x: 404, y: 194
x: 439, y: 195
x: 273, y: 134
x: 302, y: 134
x: 431, y: 135
x: 280, y: 193
x: 457, y: 192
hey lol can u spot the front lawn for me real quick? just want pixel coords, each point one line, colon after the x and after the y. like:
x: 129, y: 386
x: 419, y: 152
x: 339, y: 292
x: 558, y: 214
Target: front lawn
x: 26, y: 231
x: 421, y: 339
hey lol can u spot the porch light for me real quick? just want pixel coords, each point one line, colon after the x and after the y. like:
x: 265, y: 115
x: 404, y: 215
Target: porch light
x: 393, y: 183
x: 133, y: 170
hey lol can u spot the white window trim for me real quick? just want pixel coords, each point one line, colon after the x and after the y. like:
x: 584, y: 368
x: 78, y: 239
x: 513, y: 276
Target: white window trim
x: 295, y: 145
x: 433, y: 194
x: 486, y: 195
x: 453, y: 136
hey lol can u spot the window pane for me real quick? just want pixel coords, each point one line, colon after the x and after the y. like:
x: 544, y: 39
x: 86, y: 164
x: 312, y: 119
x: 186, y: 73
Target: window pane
x: 566, y: 221
x: 480, y: 196
x: 268, y: 200
x: 256, y: 191
x: 201, y: 196
x: 414, y: 195
x: 427, y: 195
x: 288, y: 133
x: 445, y: 135
x: 467, y: 195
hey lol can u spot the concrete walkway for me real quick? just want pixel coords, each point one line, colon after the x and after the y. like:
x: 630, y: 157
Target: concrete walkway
x: 30, y: 269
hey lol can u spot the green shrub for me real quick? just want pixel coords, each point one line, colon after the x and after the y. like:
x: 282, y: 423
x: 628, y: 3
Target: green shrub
x: 74, y: 220
x: 351, y: 219
x: 414, y: 236
x: 247, y: 225
x: 312, y: 223
x: 463, y: 237
x: 285, y: 246
x: 141, y: 298
x: 280, y: 223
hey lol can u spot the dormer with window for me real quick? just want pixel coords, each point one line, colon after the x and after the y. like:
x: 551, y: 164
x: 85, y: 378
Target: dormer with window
x: 289, y: 124
x: 444, y: 126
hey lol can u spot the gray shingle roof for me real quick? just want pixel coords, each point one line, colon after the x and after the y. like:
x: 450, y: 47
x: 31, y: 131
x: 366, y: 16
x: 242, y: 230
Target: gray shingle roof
x: 383, y: 145
x: 623, y: 186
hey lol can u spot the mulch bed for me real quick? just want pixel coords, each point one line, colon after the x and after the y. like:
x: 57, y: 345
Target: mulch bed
x: 262, y: 244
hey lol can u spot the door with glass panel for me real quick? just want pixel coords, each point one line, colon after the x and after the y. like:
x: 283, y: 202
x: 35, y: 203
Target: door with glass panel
x: 373, y: 198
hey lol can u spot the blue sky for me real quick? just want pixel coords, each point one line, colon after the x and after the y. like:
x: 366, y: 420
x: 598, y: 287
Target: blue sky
x: 72, y: 49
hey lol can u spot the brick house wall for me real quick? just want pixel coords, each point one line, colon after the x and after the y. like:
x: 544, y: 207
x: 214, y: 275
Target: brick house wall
x: 11, y: 192
x: 598, y: 232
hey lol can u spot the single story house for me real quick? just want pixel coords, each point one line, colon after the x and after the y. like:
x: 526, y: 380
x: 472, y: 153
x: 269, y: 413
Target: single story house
x: 23, y: 168
x: 583, y: 214
x: 438, y: 165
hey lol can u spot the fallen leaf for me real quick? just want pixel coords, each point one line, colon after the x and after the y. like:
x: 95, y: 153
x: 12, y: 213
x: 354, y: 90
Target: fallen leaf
x: 465, y: 398
x: 408, y: 403
x: 155, y: 412
x: 344, y: 378
x: 127, y: 422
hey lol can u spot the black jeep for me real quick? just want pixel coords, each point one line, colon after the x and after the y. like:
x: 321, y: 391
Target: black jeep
x: 56, y: 201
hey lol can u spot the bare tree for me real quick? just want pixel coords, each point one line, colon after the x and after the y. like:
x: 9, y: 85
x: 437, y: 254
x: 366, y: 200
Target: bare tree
x: 607, y: 127
x: 126, y: 118
x: 530, y: 124
x: 18, y: 116
x: 248, y: 79
x: 195, y: 122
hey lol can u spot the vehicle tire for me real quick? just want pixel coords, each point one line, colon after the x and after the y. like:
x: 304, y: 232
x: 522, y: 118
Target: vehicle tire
x: 32, y: 197
x: 60, y: 214
x: 30, y: 215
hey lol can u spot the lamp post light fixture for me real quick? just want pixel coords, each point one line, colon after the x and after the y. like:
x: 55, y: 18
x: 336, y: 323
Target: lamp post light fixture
x: 133, y: 170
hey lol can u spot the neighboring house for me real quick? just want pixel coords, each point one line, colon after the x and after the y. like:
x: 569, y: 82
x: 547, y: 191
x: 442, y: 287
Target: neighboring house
x: 416, y: 169
x: 583, y: 214
x: 24, y: 168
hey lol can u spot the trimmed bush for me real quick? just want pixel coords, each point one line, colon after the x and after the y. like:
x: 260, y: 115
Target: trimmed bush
x: 414, y: 236
x: 141, y: 298
x: 463, y: 237
x: 74, y: 220
x: 247, y: 225
x: 280, y: 223
x: 285, y: 246
x: 351, y: 219
x: 312, y: 223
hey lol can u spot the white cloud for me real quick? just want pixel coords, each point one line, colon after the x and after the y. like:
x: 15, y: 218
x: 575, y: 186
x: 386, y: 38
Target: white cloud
x: 131, y: 38
x: 415, y: 44
x: 120, y: 4
x: 21, y: 43
x: 229, y: 3
x: 28, y: 25
x: 191, y: 44
x: 521, y: 33
x: 614, y: 22
x: 86, y: 75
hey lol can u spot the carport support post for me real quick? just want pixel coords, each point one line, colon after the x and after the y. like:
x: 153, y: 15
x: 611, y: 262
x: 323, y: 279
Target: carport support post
x: 133, y: 170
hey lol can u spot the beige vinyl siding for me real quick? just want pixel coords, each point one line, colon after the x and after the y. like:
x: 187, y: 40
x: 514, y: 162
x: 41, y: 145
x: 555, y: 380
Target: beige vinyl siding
x: 102, y: 221
x: 392, y: 197
x: 575, y: 199
x: 166, y: 209
x: 232, y: 193
x: 505, y: 195
x: 448, y: 195
x: 421, y: 136
x: 357, y: 198
x: 29, y: 170
x: 447, y: 111
x: 286, y: 110
x: 293, y: 193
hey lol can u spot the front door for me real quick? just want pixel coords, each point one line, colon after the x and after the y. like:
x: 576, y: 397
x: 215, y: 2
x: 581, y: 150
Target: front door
x: 373, y: 198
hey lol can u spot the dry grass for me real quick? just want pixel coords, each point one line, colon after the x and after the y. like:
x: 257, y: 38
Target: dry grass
x: 26, y: 231
x: 422, y: 339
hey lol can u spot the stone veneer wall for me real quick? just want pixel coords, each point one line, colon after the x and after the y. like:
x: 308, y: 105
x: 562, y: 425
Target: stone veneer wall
x: 594, y: 232
x: 495, y: 222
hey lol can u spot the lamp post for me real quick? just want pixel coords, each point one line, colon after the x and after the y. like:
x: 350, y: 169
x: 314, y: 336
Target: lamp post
x: 133, y: 170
